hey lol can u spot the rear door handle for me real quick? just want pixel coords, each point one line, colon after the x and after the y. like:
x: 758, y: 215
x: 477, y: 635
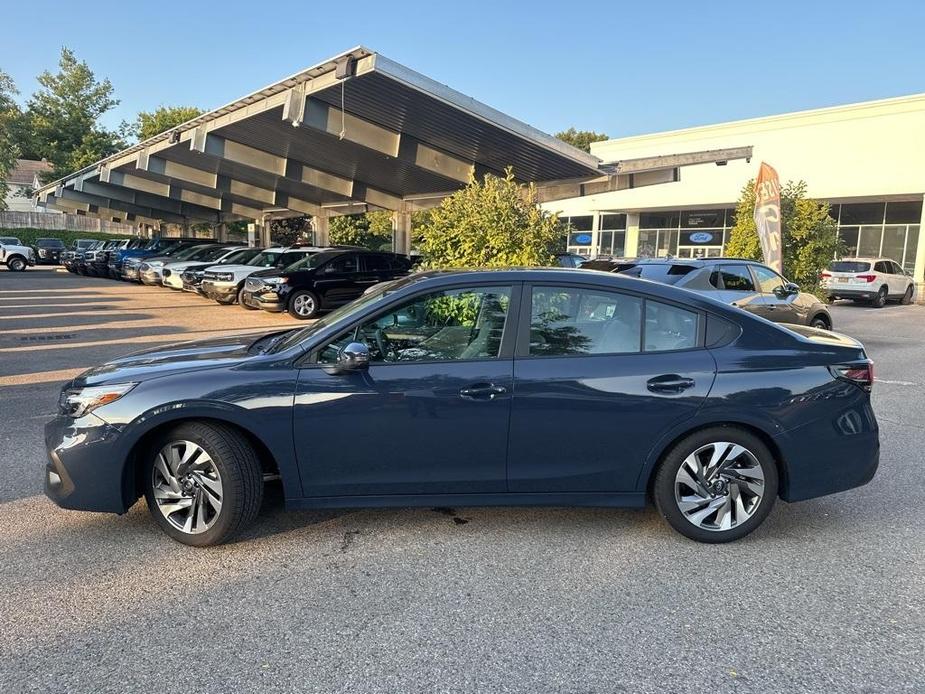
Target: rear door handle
x: 482, y: 391
x: 669, y: 383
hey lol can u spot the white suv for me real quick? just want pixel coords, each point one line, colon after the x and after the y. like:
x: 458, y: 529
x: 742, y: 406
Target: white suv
x: 876, y: 280
x: 223, y: 283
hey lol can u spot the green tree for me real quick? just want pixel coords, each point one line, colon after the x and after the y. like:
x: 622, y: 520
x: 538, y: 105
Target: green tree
x: 809, y: 235
x: 494, y: 222
x: 581, y: 139
x: 63, y: 116
x: 162, y: 119
x: 9, y: 151
x: 286, y: 232
x: 370, y: 230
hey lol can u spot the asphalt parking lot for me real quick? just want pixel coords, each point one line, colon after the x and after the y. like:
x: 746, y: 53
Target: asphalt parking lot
x: 827, y: 596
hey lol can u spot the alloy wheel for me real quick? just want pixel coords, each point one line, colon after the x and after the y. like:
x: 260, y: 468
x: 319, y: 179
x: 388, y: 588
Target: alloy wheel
x: 187, y: 487
x: 304, y: 305
x: 719, y: 486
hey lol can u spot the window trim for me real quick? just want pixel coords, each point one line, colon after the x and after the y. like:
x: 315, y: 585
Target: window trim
x: 508, y: 337
x: 522, y: 349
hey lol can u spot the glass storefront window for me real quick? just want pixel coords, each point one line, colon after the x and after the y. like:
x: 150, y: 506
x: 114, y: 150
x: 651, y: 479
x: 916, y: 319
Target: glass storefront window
x: 613, y: 221
x: 862, y: 213
x: 869, y: 243
x: 903, y: 212
x: 696, y: 219
x: 850, y: 236
x: 912, y: 245
x: 894, y: 242
x: 583, y: 222
x: 659, y: 220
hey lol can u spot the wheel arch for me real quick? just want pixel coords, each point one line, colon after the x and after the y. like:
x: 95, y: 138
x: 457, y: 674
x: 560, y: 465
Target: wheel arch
x: 656, y: 459
x: 824, y: 315
x: 131, y: 480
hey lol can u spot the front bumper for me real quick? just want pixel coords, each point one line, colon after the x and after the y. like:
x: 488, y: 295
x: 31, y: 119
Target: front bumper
x: 85, y: 465
x: 150, y: 277
x: 49, y: 259
x: 130, y: 272
x: 173, y: 280
x: 266, y: 300
x: 218, y: 291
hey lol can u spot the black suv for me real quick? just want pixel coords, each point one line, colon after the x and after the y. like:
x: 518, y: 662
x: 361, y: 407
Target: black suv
x: 744, y: 283
x: 49, y: 251
x: 321, y: 281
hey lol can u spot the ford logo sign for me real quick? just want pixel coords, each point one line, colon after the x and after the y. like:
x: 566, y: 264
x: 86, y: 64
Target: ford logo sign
x: 581, y: 239
x: 701, y: 237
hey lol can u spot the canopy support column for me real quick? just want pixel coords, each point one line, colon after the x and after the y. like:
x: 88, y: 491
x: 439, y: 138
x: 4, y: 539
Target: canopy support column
x: 321, y: 228
x: 401, y: 230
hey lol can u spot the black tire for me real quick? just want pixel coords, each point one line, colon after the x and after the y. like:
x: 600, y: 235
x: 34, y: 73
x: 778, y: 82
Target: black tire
x: 907, y: 297
x: 303, y: 305
x: 663, y: 489
x: 239, y: 471
x: 820, y: 322
x: 240, y: 302
x: 880, y: 300
x: 16, y: 264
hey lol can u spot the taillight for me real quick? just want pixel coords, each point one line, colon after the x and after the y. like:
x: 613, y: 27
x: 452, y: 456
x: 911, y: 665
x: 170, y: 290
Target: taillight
x: 824, y: 275
x: 860, y: 373
x: 866, y: 278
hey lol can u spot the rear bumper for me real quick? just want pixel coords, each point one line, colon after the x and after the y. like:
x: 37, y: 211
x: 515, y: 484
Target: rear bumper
x: 851, y: 292
x: 84, y: 470
x: 830, y: 455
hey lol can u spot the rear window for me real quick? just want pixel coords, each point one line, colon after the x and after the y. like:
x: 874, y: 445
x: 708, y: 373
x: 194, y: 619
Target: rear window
x: 659, y: 272
x: 849, y: 266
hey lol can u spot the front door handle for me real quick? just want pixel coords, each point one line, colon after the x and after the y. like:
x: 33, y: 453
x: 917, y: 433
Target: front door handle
x: 669, y: 383
x: 482, y: 391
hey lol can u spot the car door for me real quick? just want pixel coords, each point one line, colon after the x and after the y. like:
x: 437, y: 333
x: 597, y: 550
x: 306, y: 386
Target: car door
x: 336, y: 281
x: 430, y: 415
x: 902, y: 280
x: 895, y: 281
x: 599, y: 377
x: 777, y: 305
x: 374, y: 268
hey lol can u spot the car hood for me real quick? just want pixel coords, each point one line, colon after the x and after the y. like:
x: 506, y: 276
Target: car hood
x: 250, y: 269
x: 268, y: 272
x: 171, y: 359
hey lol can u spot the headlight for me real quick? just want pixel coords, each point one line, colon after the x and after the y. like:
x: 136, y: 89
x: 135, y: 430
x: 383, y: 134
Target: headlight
x: 166, y: 273
x: 77, y: 402
x: 224, y: 277
x: 275, y: 280
x: 156, y: 263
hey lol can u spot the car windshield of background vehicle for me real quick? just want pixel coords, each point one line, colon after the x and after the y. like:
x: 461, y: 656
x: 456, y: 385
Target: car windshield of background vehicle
x: 448, y: 325
x: 240, y: 257
x: 265, y: 259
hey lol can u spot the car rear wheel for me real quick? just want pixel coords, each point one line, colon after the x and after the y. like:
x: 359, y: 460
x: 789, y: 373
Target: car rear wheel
x: 716, y: 485
x: 907, y: 297
x: 303, y: 304
x: 16, y: 264
x: 880, y: 300
x: 203, y: 483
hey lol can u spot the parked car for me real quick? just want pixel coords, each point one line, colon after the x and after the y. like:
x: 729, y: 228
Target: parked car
x: 171, y: 272
x: 125, y: 263
x: 570, y: 260
x: 69, y: 257
x: 322, y: 281
x: 193, y: 275
x: 86, y: 259
x: 49, y: 251
x: 875, y: 280
x: 747, y: 284
x: 431, y: 390
x: 149, y: 272
x: 16, y: 256
x: 226, y: 284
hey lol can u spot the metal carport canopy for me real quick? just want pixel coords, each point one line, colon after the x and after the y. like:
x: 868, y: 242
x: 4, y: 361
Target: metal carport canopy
x: 354, y: 133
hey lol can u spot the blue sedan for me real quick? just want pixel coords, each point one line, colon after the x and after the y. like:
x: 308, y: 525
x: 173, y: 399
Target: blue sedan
x: 467, y: 388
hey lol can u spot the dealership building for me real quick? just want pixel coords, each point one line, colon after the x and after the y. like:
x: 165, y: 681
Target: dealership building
x: 867, y: 160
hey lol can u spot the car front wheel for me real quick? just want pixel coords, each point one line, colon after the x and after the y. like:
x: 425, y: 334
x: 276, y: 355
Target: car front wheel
x: 203, y: 483
x: 907, y: 297
x: 303, y: 304
x: 17, y: 264
x: 716, y: 485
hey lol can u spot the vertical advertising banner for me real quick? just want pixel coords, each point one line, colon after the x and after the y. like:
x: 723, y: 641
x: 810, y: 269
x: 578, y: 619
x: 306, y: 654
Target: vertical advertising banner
x: 767, y: 216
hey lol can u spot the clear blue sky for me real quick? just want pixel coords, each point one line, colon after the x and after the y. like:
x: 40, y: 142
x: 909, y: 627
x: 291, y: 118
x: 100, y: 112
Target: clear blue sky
x: 617, y: 67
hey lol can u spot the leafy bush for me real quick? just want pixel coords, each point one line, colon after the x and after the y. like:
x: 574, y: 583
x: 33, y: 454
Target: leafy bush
x: 495, y: 222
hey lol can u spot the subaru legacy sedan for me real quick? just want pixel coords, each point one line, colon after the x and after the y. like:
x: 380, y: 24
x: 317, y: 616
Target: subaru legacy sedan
x: 454, y: 388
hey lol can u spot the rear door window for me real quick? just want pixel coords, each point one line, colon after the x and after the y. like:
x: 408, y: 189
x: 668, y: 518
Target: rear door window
x: 669, y: 327
x: 883, y: 267
x: 734, y: 278
x: 375, y: 263
x: 346, y: 263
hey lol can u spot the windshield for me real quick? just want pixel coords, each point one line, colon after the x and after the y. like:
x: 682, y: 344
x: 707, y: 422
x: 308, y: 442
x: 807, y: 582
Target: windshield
x: 240, y: 257
x: 50, y: 243
x: 265, y: 259
x: 210, y: 253
x: 343, y: 314
x: 184, y: 252
x: 312, y: 260
x: 849, y: 266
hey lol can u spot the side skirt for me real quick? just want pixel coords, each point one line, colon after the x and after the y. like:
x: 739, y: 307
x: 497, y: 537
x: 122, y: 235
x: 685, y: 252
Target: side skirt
x: 622, y: 500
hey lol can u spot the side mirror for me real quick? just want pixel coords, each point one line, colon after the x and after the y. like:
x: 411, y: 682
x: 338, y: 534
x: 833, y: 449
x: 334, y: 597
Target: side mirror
x: 353, y: 357
x: 788, y: 289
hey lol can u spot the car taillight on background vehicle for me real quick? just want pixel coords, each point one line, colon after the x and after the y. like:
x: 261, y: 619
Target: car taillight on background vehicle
x: 824, y: 275
x: 861, y: 373
x: 866, y: 278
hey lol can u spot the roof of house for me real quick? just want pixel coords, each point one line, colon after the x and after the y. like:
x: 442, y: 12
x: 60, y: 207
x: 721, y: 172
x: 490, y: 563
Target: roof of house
x: 25, y: 171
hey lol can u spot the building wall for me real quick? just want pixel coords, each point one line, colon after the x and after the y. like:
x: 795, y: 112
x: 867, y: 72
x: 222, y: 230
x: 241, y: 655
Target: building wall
x: 17, y: 202
x: 872, y: 151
